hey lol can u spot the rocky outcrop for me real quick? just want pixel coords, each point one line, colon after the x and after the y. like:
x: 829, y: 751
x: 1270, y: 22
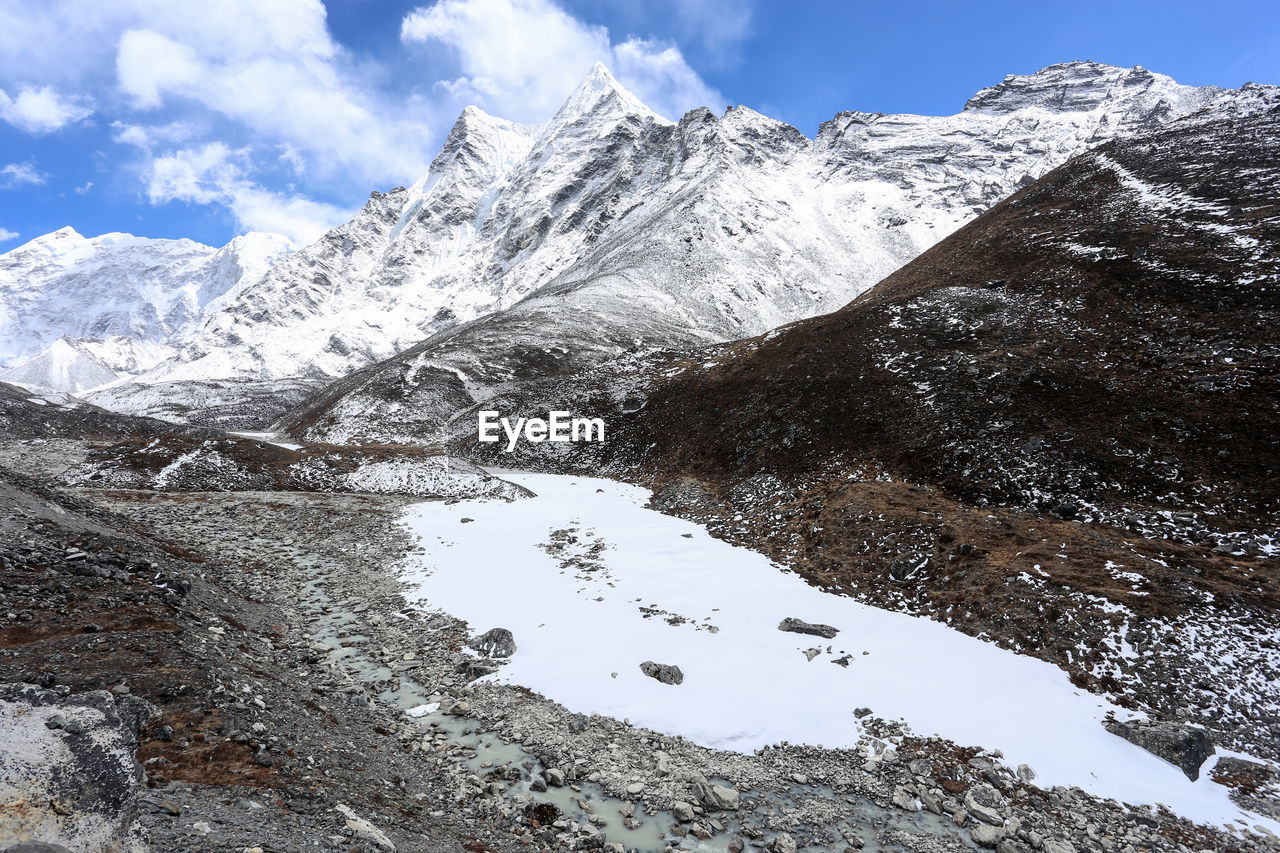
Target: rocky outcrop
x: 1185, y: 747
x: 495, y: 643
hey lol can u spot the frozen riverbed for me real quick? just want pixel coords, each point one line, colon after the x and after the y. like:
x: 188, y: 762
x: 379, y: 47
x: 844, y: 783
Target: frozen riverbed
x: 592, y: 584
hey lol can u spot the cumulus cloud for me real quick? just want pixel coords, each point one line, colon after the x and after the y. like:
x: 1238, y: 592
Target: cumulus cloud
x: 216, y: 174
x: 275, y: 69
x: 42, y: 109
x: 521, y: 58
x: 6, y: 235
x: 17, y: 174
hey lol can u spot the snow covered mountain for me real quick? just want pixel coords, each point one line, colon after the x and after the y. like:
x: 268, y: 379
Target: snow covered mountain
x: 77, y: 311
x: 720, y: 227
x: 610, y: 226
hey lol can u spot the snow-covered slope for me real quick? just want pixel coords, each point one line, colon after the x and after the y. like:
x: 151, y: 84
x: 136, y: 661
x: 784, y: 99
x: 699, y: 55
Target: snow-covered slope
x: 610, y: 225
x: 77, y: 308
x: 64, y: 365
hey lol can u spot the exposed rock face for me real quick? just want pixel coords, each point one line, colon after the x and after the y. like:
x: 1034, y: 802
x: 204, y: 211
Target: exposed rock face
x: 1184, y: 747
x: 71, y: 761
x: 664, y: 672
x: 799, y: 626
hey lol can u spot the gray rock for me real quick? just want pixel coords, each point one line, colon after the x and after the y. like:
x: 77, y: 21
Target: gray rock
x: 80, y: 778
x: 665, y: 672
x: 986, y: 836
x: 495, y: 643
x: 784, y: 843
x: 905, y: 801
x: 473, y: 669
x: 683, y: 812
x: 1182, y: 746
x: 799, y: 626
x: 984, y: 802
x: 555, y: 778
x: 716, y: 797
x: 904, y: 567
x: 1054, y: 845
x: 36, y: 847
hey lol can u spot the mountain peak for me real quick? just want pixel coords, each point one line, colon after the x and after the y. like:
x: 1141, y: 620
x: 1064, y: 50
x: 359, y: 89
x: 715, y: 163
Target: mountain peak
x: 600, y: 94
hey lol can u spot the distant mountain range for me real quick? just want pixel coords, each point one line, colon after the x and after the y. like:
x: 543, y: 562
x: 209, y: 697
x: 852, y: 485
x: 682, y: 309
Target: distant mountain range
x: 79, y: 312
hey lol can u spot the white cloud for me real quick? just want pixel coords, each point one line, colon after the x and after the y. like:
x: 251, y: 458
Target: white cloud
x: 721, y: 25
x: 41, y: 110
x: 84, y: 189
x: 17, y: 174
x: 216, y: 174
x: 6, y: 235
x: 275, y: 69
x: 149, y: 137
x: 521, y: 58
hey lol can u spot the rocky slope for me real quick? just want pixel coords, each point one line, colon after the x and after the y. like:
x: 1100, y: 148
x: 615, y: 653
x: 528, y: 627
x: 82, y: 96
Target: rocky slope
x: 529, y: 249
x: 76, y: 312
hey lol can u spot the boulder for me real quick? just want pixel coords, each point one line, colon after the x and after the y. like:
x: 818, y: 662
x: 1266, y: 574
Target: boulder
x: 984, y: 802
x: 665, y: 672
x: 716, y: 797
x: 784, y: 843
x: 986, y: 836
x: 905, y: 801
x: 495, y: 643
x: 70, y: 761
x: 1054, y: 845
x: 1182, y: 746
x: 799, y: 626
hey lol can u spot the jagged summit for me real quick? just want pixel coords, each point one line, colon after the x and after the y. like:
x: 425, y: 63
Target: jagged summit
x: 1082, y: 86
x: 599, y: 97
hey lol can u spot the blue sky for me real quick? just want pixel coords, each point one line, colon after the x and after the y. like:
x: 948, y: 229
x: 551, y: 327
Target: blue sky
x: 205, y: 120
